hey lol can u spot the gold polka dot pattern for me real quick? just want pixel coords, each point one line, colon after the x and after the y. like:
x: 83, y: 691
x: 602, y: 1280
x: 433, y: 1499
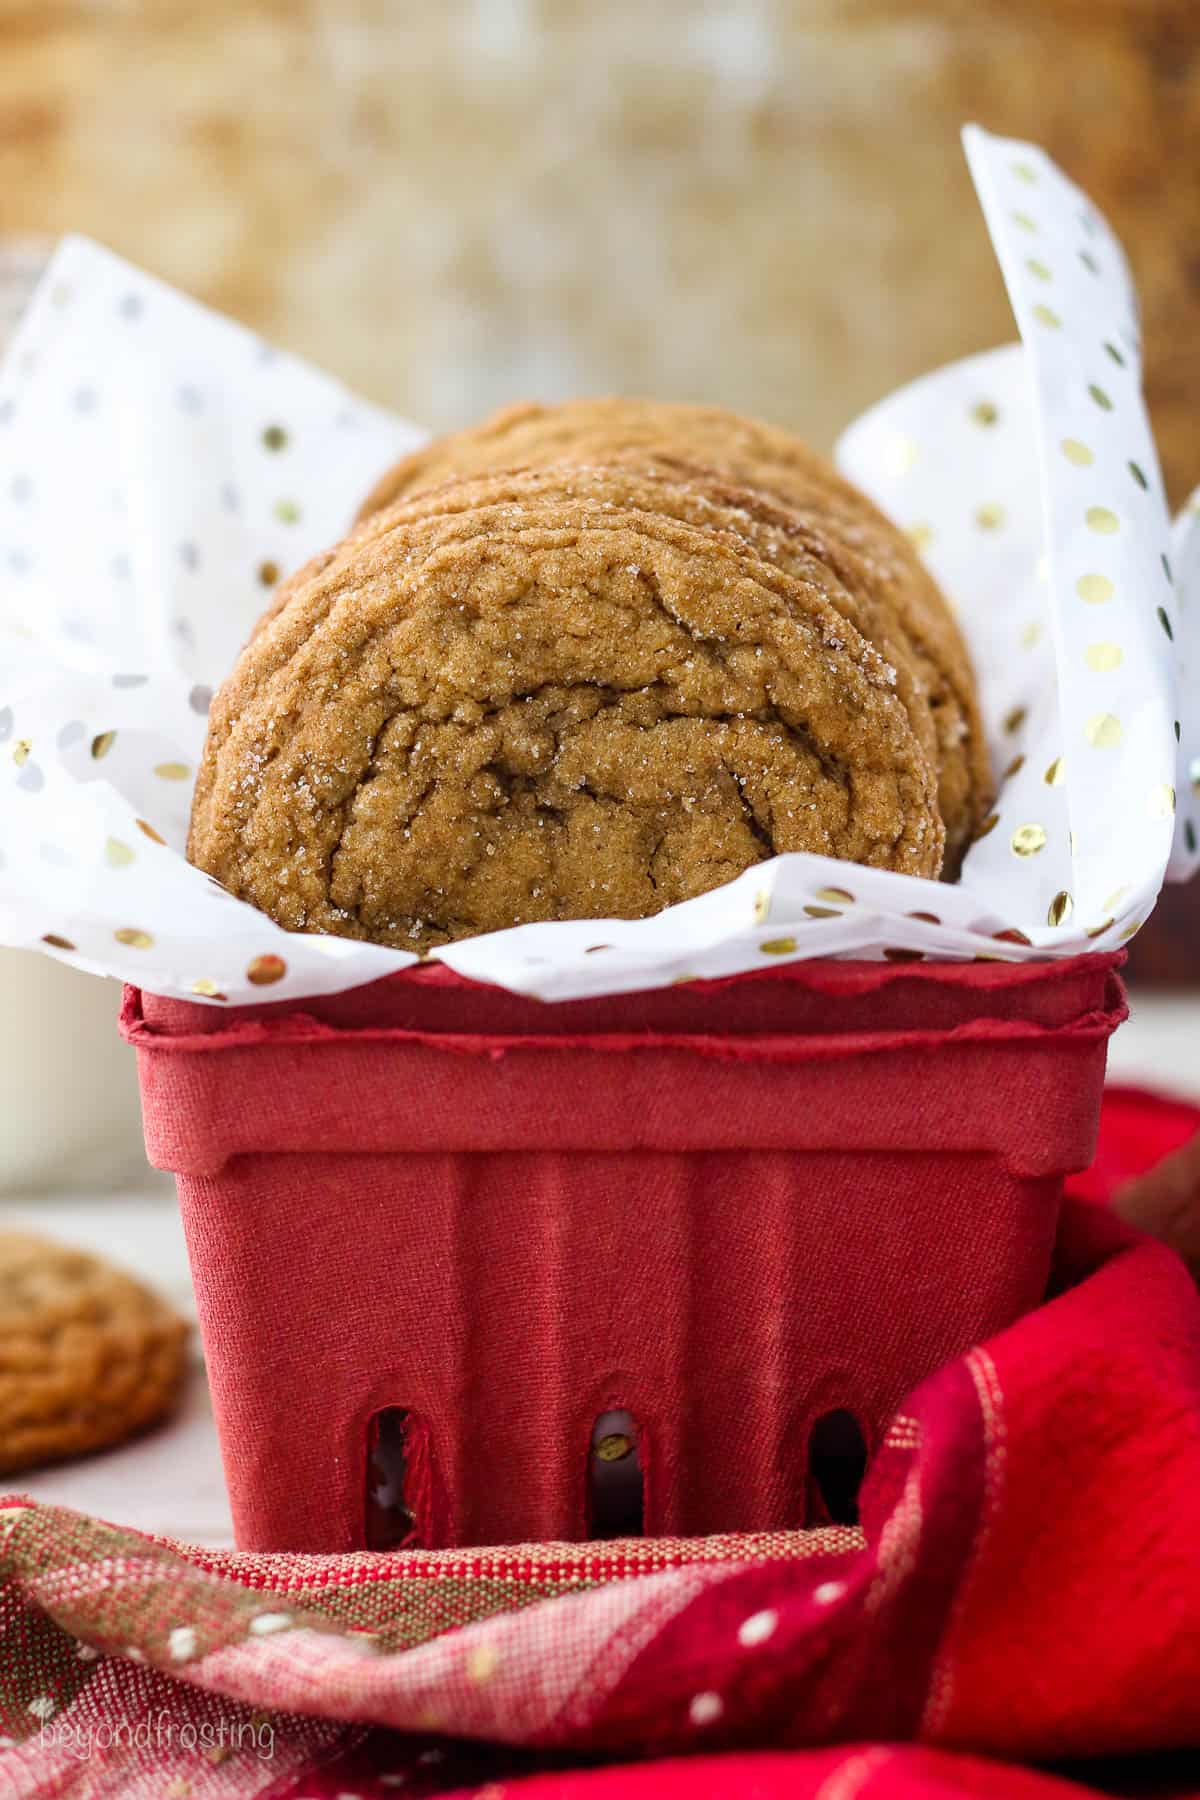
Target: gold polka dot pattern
x: 1108, y: 601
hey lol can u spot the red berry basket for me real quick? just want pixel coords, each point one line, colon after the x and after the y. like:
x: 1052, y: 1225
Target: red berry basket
x: 455, y: 1251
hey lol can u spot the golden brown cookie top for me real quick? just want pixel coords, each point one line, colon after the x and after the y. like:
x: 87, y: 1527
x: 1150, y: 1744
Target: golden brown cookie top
x: 577, y: 692
x: 876, y: 561
x: 88, y: 1355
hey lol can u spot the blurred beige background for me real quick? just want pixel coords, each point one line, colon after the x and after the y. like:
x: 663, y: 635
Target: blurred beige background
x: 750, y: 201
x: 761, y: 202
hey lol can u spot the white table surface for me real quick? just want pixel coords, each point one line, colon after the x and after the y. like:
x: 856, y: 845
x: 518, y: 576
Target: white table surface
x: 170, y: 1480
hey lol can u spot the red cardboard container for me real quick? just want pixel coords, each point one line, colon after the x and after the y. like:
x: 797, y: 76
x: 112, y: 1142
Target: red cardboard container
x: 730, y: 1208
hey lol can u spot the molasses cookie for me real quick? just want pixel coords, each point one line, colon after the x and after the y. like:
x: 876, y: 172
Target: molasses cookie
x: 575, y: 692
x: 88, y: 1356
x: 872, y: 557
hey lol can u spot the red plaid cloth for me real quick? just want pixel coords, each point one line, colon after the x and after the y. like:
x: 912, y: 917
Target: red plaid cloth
x: 1026, y: 1586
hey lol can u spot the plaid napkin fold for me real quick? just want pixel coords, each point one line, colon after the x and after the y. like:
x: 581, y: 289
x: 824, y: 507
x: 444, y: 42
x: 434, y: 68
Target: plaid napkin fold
x: 1025, y: 1585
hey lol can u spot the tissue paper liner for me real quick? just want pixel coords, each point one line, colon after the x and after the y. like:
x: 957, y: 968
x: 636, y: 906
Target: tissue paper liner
x: 161, y: 468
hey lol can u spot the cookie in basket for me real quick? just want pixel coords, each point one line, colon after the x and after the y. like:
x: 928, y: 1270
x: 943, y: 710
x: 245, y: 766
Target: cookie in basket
x: 88, y: 1356
x: 573, y: 692
x: 861, y: 547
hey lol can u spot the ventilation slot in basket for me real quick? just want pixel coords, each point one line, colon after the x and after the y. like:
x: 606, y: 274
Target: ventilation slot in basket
x: 391, y: 1519
x: 837, y: 1462
x: 615, y: 1497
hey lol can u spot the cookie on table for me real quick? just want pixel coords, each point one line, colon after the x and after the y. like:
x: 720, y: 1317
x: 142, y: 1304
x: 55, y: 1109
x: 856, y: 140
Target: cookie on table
x: 88, y: 1356
x: 844, y: 528
x: 578, y: 692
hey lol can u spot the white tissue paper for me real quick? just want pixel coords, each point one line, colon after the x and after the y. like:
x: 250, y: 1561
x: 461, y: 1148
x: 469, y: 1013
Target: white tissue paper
x: 161, y: 468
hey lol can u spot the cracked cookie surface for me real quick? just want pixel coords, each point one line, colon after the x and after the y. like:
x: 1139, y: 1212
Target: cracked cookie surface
x: 873, y: 558
x: 567, y: 693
